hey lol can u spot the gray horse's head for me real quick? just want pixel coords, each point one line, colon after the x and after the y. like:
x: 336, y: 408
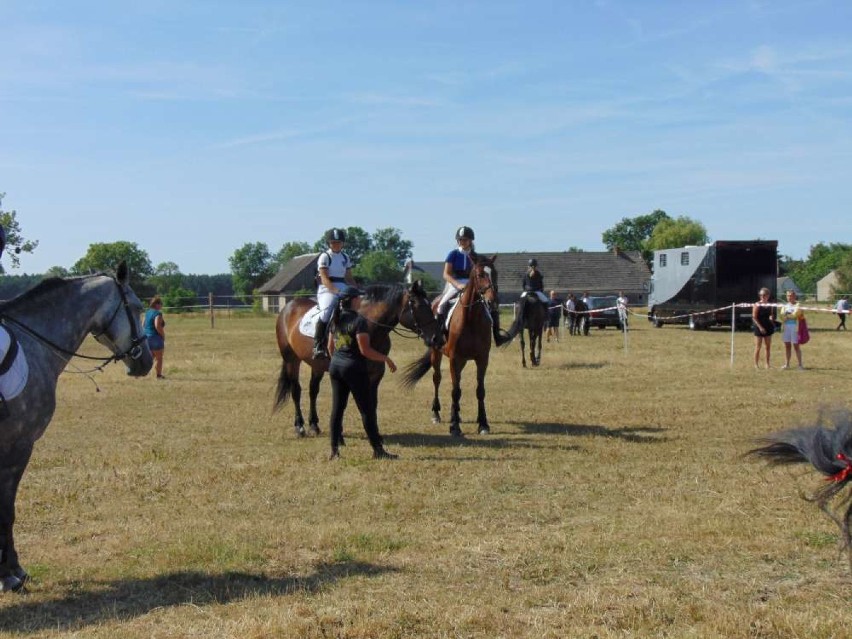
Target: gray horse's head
x: 118, y: 324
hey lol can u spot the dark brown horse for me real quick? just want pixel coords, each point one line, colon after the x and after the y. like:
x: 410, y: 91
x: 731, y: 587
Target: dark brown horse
x: 532, y: 316
x: 468, y: 338
x: 383, y: 306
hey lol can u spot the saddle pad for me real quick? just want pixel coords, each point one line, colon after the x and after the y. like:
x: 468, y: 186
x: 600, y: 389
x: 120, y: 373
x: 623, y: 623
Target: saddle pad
x: 308, y: 323
x: 13, y: 381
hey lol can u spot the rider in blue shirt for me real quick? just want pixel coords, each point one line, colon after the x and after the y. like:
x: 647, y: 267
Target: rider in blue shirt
x: 457, y: 269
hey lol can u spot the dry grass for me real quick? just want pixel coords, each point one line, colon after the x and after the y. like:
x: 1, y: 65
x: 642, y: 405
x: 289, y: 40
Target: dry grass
x: 610, y: 500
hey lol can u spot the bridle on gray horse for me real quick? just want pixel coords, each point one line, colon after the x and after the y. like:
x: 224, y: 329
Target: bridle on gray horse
x: 134, y: 350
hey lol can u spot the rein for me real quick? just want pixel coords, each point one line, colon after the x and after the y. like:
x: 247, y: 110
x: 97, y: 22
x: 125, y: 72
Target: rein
x: 417, y: 331
x: 134, y: 350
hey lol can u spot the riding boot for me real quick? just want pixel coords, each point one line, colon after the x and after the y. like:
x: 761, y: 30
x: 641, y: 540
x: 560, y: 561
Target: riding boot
x: 500, y: 338
x: 441, y: 318
x: 320, y: 351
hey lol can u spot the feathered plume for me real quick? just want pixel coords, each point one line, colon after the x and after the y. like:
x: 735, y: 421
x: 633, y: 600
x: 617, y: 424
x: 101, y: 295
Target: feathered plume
x: 827, y: 449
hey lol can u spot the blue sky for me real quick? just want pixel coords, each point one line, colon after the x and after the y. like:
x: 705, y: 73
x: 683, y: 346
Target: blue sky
x: 194, y: 127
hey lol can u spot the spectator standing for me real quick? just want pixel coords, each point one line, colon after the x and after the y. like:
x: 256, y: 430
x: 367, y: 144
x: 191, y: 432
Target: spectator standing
x: 763, y: 320
x: 570, y: 309
x: 621, y: 303
x: 154, y: 328
x: 554, y: 314
x: 842, y: 310
x: 791, y: 315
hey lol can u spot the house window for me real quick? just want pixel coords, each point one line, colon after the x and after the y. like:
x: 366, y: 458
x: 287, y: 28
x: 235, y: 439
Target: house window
x: 662, y: 259
x: 684, y: 259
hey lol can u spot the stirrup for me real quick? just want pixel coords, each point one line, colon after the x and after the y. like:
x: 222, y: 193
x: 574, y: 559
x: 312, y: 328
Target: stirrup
x: 319, y: 353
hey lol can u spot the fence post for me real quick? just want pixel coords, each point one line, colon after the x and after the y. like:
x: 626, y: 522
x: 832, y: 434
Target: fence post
x: 210, y: 305
x: 733, y: 329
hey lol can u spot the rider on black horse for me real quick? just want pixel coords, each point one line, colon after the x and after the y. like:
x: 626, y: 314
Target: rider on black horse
x: 533, y: 285
x: 457, y: 267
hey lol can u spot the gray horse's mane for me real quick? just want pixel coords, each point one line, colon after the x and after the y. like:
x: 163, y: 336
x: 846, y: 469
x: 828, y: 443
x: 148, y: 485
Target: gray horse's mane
x: 47, y: 285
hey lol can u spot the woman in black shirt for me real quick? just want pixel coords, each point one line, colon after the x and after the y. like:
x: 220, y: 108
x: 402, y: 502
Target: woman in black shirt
x: 350, y: 348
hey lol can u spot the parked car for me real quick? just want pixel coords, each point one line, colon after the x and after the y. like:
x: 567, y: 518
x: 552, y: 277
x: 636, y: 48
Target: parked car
x: 607, y: 317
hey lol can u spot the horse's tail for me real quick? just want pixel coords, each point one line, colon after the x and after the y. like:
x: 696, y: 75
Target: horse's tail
x: 286, y: 379
x: 415, y: 371
x: 829, y: 450
x: 517, y: 324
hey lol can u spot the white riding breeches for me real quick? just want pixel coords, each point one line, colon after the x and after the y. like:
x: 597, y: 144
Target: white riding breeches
x: 449, y: 293
x: 326, y: 300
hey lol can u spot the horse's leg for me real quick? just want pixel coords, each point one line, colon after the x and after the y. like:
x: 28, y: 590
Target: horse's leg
x: 523, y: 347
x: 456, y: 368
x: 313, y: 391
x: 298, y: 420
x: 436, y: 382
x: 13, y: 461
x: 481, y: 418
x: 535, y: 354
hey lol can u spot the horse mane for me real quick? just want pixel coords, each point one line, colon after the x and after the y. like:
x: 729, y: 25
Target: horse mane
x: 390, y: 294
x: 47, y: 285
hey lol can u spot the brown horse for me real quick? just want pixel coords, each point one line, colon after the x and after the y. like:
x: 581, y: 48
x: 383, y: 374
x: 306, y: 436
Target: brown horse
x: 468, y: 338
x: 383, y: 306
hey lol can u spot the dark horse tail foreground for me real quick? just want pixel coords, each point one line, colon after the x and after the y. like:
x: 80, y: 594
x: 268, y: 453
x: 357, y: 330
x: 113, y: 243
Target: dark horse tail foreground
x: 532, y: 316
x: 383, y: 306
x: 829, y: 450
x: 469, y: 338
x: 49, y: 324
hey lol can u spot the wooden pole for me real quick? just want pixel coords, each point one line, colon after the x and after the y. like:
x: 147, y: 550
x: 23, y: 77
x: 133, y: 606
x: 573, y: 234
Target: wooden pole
x: 210, y: 305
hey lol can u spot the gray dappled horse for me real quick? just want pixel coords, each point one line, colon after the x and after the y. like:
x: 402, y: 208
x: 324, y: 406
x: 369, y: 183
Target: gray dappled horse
x: 50, y: 322
x: 384, y: 306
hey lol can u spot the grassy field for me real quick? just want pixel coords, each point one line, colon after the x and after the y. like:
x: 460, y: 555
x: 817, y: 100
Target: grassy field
x: 610, y: 500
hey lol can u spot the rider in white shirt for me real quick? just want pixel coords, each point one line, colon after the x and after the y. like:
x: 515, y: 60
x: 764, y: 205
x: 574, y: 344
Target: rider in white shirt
x: 335, y: 274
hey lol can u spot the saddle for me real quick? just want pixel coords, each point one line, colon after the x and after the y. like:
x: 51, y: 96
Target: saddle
x: 14, y: 370
x: 308, y: 323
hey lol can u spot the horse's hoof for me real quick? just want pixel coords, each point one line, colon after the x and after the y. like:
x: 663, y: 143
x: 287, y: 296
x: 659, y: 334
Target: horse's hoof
x: 485, y: 430
x: 436, y: 419
x: 315, y: 430
x: 455, y: 432
x: 300, y: 431
x: 11, y: 583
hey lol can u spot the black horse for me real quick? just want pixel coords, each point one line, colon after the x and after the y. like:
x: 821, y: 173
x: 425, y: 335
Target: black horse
x: 532, y: 316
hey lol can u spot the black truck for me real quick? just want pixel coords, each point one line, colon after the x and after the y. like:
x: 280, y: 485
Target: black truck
x: 691, y: 284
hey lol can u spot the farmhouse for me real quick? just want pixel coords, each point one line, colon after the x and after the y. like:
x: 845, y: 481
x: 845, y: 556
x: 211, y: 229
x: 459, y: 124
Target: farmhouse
x: 294, y: 278
x: 598, y: 272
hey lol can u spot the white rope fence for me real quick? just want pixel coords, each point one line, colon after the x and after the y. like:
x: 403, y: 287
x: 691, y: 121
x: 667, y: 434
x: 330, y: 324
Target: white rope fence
x: 714, y: 312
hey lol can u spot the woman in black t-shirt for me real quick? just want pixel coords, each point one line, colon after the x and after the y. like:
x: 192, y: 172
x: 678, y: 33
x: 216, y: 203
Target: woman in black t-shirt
x: 350, y: 348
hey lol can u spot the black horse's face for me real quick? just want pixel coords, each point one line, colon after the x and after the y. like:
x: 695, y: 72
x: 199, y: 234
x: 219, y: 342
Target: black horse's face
x: 418, y: 316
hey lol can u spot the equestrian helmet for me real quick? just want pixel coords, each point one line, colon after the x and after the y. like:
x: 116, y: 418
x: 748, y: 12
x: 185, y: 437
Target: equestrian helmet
x: 465, y: 231
x: 335, y: 235
x: 533, y: 262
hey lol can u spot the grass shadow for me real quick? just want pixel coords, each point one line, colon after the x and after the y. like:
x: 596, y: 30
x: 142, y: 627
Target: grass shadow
x: 636, y: 434
x: 445, y: 440
x: 582, y: 366
x: 92, y: 603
